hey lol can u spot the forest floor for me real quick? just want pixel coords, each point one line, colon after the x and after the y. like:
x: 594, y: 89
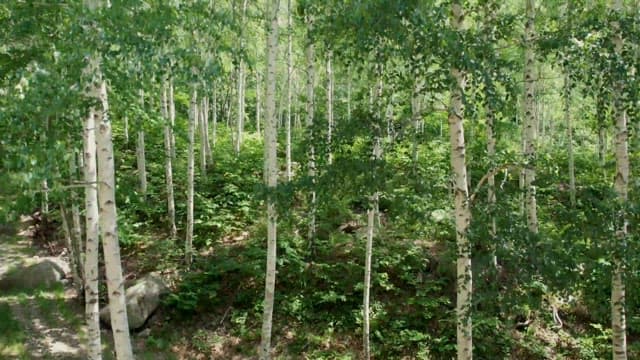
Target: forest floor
x: 36, y: 324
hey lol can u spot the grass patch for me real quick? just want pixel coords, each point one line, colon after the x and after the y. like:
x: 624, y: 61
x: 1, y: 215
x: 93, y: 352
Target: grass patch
x: 12, y: 335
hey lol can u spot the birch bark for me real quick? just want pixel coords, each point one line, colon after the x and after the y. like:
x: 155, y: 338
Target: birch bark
x: 171, y: 207
x: 530, y: 133
x: 461, y: 202
x: 621, y: 185
x: 193, y: 115
x: 271, y: 176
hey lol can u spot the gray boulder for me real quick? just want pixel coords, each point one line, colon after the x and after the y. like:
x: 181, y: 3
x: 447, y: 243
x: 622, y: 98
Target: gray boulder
x: 39, y: 273
x: 142, y: 300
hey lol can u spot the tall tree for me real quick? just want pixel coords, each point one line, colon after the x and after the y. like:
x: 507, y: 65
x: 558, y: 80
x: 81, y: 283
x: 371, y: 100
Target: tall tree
x: 107, y: 200
x: 289, y: 74
x: 271, y: 174
x: 142, y: 160
x: 310, y: 107
x: 171, y: 207
x: 530, y: 124
x: 91, y: 294
x: 329, y: 105
x: 462, y: 209
x: 241, y: 80
x: 618, y: 301
x: 193, y: 117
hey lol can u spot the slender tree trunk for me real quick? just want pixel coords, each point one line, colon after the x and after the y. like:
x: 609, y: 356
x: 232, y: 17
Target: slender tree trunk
x: 215, y: 119
x: 92, y: 310
x: 367, y: 282
x: 241, y: 85
x: 203, y: 140
x: 349, y: 85
x: 172, y: 118
x: 109, y: 232
x: 569, y: 124
x: 271, y: 176
x: 142, y: 162
x: 205, y: 122
x: 168, y: 164
x: 416, y: 114
x: 77, y: 258
x: 310, y: 54
x: 491, y: 181
x: 329, y: 106
x: 126, y: 129
x: 193, y: 115
x: 461, y: 200
x: 289, y: 73
x: 530, y: 121
x: 45, y: 197
x: 258, y: 104
x: 618, y: 301
x: 69, y: 243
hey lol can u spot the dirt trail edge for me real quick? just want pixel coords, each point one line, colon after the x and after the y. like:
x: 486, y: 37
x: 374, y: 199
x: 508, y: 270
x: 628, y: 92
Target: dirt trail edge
x: 50, y: 321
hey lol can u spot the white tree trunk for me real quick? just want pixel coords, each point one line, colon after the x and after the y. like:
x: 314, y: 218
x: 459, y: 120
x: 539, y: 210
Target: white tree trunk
x: 77, y: 254
x: 241, y: 85
x: 203, y: 138
x: 569, y: 124
x: 329, y: 106
x: 289, y: 74
x: 349, y: 81
x: 45, y: 197
x: 271, y: 176
x: 172, y: 118
x: 491, y: 181
x: 126, y: 129
x: 367, y: 282
x: 618, y: 301
x: 168, y: 164
x: 258, y: 104
x: 205, y: 121
x: 530, y: 131
x: 214, y: 116
x: 461, y: 201
x: 92, y: 309
x: 240, y: 114
x: 140, y: 151
x: 311, y: 80
x: 109, y: 232
x: 416, y: 114
x: 193, y: 116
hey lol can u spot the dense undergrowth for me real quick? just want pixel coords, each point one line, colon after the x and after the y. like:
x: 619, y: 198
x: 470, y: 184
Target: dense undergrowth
x: 216, y: 305
x: 320, y: 282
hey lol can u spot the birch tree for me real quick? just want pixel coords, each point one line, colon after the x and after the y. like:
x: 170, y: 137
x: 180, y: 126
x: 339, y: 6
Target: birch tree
x: 141, y: 158
x: 329, y: 105
x: 171, y: 207
x: 530, y: 125
x: 193, y: 115
x: 310, y: 107
x: 241, y: 80
x: 289, y: 74
x: 109, y: 232
x: 462, y: 209
x: 271, y: 174
x: 621, y: 185
x: 92, y: 306
x: 106, y: 214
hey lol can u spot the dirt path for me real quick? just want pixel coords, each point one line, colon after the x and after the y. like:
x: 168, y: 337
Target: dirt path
x: 39, y: 324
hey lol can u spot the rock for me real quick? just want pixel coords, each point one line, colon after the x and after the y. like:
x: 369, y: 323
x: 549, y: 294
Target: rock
x: 142, y: 300
x: 43, y: 272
